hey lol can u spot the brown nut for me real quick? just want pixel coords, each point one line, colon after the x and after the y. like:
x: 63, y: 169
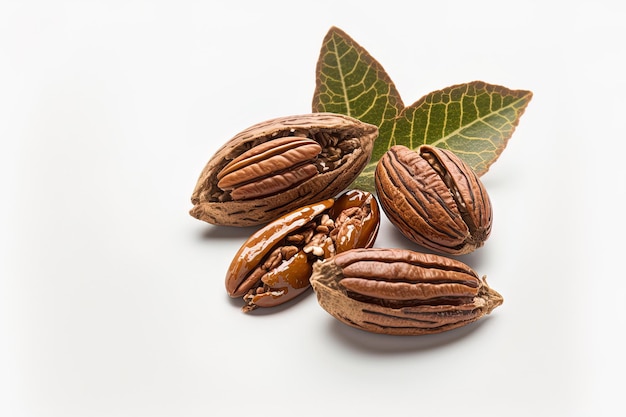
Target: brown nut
x: 279, y: 165
x: 401, y: 292
x: 434, y: 199
x: 274, y: 265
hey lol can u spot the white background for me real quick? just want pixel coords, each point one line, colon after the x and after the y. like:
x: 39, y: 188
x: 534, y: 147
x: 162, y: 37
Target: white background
x: 112, y: 301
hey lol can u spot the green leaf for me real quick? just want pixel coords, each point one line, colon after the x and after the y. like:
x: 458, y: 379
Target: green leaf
x: 351, y: 82
x: 475, y: 120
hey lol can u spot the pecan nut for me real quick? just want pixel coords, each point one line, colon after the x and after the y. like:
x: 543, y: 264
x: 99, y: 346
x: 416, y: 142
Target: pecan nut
x: 276, y: 166
x: 434, y: 198
x: 274, y: 265
x: 401, y: 292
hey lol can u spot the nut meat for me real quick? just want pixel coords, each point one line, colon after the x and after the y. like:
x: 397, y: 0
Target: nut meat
x: 401, y: 292
x: 274, y: 265
x: 279, y: 165
x: 434, y: 198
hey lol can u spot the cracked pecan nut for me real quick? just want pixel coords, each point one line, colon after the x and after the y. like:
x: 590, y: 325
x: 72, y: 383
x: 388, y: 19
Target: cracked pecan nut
x: 434, y: 198
x: 274, y: 265
x: 276, y: 166
x: 401, y: 292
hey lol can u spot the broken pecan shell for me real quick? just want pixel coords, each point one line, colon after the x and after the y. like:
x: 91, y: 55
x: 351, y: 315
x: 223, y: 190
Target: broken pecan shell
x: 279, y: 165
x: 274, y: 265
x: 401, y: 292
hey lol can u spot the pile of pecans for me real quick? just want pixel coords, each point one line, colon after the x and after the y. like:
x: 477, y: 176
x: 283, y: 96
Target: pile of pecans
x: 286, y: 172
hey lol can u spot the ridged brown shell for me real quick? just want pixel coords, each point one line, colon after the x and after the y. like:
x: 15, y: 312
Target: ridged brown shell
x: 214, y: 205
x: 434, y: 198
x: 401, y: 292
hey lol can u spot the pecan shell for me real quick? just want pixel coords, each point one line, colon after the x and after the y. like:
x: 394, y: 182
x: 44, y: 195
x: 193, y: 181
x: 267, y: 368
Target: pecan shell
x: 275, y: 264
x: 434, y: 198
x: 276, y: 166
x: 401, y: 292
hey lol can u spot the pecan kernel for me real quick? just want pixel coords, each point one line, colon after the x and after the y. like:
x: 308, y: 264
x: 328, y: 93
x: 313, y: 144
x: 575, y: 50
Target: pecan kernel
x: 401, y: 292
x: 270, y: 168
x: 276, y: 166
x: 274, y: 265
x: 434, y: 198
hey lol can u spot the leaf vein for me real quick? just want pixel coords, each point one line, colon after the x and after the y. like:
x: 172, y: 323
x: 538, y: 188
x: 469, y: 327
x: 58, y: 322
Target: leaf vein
x: 480, y: 119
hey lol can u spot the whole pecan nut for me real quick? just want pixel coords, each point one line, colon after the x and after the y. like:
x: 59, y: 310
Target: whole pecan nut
x: 401, y: 292
x: 276, y: 166
x: 434, y: 198
x: 274, y: 265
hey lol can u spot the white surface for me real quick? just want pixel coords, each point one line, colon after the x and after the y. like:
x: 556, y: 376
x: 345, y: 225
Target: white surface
x: 112, y: 300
